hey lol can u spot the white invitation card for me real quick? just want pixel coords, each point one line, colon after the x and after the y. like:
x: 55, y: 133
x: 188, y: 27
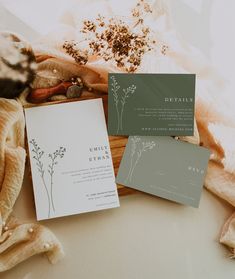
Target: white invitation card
x: 70, y: 159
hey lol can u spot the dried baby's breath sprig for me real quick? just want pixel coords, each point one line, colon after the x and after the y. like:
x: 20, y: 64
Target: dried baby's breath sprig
x: 140, y: 10
x: 164, y: 49
x: 80, y: 56
x: 114, y: 40
x: 88, y: 26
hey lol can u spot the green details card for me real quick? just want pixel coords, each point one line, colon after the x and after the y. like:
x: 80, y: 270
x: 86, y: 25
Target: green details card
x: 151, y: 104
x: 164, y: 167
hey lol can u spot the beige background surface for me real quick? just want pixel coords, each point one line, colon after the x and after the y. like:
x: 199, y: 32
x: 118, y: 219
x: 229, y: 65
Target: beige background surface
x: 146, y: 237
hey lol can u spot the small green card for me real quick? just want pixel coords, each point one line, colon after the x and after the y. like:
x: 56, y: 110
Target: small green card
x: 164, y: 167
x: 151, y: 104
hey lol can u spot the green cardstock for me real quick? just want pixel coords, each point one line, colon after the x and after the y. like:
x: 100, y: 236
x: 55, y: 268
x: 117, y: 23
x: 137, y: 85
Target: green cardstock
x: 164, y: 167
x: 151, y: 104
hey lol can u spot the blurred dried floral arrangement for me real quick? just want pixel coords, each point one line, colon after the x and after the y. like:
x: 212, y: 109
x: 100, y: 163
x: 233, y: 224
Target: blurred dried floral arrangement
x: 114, y: 40
x: 17, y: 65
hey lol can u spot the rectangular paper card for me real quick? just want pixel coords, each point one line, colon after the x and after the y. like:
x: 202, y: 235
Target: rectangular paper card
x: 70, y: 157
x: 151, y: 104
x: 164, y: 167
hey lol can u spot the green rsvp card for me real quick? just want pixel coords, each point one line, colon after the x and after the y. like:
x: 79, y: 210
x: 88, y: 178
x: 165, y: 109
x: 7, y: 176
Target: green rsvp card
x: 151, y: 104
x: 164, y: 167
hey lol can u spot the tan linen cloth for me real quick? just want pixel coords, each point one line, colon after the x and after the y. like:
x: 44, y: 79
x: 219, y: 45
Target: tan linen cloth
x: 17, y: 241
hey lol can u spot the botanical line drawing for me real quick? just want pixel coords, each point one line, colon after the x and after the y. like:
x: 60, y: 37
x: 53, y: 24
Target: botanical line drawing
x: 38, y: 154
x: 134, y: 141
x: 137, y: 149
x: 129, y: 90
x: 115, y: 88
x: 126, y: 93
x: 59, y: 153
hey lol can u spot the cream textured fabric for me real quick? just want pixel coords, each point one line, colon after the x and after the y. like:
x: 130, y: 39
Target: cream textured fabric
x: 17, y: 241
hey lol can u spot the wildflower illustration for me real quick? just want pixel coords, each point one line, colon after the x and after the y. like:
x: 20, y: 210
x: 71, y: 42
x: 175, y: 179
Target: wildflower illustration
x: 120, y: 103
x: 127, y: 92
x: 115, y: 87
x: 38, y: 154
x: 59, y: 153
x: 138, y: 147
x: 134, y: 141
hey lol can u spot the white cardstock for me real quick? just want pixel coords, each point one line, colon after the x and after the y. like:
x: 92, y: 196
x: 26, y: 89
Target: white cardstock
x: 70, y: 158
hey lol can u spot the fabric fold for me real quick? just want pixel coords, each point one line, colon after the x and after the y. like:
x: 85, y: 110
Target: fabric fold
x: 18, y: 241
